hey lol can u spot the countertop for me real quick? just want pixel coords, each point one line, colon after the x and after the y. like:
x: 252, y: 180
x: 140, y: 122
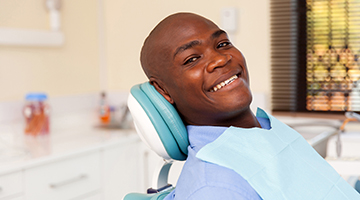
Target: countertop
x: 70, y: 135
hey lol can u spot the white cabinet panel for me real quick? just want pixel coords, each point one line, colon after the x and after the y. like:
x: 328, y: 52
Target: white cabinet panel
x: 11, y: 184
x: 65, y: 179
x: 151, y: 162
x: 16, y: 198
x: 96, y: 196
x: 121, y: 170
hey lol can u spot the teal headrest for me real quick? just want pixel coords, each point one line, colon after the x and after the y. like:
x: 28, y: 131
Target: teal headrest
x: 157, y: 120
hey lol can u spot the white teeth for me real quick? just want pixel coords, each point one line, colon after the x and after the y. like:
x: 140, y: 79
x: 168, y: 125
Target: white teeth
x: 222, y: 84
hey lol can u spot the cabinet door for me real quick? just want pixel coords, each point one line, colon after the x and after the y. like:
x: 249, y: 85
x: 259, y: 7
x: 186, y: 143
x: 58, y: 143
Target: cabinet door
x: 121, y: 174
x: 65, y: 179
x: 11, y: 184
x: 150, y: 168
x: 149, y: 165
x: 15, y: 198
x: 96, y: 196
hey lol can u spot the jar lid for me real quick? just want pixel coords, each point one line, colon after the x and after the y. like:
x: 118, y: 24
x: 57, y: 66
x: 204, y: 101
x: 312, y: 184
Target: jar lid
x: 36, y: 96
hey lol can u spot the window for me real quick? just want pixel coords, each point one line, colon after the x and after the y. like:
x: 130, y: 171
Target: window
x: 315, y: 49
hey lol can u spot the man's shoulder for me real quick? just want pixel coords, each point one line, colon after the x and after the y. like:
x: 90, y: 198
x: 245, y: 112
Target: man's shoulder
x: 211, y: 192
x: 203, y: 178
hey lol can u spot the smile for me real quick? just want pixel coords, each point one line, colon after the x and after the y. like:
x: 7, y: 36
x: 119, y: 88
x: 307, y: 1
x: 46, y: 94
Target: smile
x: 224, y: 83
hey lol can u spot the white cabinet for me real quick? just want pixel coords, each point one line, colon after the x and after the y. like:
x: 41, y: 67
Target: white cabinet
x: 149, y: 161
x: 11, y: 185
x: 106, y: 169
x: 149, y: 166
x: 84, y: 161
x: 65, y: 179
x: 92, y: 197
x: 121, y: 170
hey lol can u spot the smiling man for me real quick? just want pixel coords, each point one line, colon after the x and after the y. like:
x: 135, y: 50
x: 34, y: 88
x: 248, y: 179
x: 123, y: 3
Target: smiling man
x: 233, y: 154
x: 192, y: 63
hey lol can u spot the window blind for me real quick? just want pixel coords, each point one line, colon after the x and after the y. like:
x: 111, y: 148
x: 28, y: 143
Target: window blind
x: 315, y: 50
x: 333, y: 47
x: 284, y: 54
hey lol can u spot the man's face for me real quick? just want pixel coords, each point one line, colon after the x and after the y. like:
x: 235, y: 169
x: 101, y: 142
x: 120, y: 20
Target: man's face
x: 207, y: 76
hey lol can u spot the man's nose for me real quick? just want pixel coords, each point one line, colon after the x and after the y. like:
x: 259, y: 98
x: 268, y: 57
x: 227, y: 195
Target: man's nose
x: 218, y: 60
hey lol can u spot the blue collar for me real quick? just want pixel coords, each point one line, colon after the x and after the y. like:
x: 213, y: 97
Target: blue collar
x: 199, y: 136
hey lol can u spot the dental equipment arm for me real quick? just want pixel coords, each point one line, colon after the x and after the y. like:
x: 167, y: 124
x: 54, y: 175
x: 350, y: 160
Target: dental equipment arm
x: 350, y: 116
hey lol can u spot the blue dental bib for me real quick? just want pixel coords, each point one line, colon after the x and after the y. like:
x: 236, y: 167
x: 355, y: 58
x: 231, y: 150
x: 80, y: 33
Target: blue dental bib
x: 278, y: 163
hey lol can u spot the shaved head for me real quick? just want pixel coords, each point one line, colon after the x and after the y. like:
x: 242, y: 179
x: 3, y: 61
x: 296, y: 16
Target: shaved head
x: 192, y: 63
x: 156, y: 52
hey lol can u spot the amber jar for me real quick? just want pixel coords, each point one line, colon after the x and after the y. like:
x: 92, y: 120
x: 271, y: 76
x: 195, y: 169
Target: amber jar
x: 36, y: 113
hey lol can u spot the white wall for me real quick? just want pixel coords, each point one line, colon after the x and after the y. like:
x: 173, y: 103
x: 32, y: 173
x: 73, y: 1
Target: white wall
x: 103, y: 39
x: 129, y: 22
x: 69, y: 69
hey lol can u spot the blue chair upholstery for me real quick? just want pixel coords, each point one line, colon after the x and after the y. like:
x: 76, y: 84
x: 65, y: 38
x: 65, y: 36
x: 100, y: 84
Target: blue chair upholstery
x: 164, y: 118
x: 159, y: 126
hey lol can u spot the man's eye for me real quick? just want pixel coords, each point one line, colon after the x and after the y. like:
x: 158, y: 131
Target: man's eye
x: 224, y: 44
x: 190, y: 60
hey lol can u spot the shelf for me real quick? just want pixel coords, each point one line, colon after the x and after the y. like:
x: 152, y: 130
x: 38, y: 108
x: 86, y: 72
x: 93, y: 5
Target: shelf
x: 28, y: 37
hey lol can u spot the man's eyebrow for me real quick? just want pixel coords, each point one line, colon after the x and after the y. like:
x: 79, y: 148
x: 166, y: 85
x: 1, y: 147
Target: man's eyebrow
x: 217, y: 34
x: 186, y: 46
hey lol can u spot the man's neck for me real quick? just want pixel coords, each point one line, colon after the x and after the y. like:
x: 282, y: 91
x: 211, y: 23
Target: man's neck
x: 244, y: 120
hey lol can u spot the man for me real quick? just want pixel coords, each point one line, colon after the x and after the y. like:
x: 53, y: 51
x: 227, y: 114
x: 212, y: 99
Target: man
x: 192, y: 63
x: 232, y: 154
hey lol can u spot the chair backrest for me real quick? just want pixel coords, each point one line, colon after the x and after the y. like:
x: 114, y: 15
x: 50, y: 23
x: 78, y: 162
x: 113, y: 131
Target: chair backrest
x: 157, y: 122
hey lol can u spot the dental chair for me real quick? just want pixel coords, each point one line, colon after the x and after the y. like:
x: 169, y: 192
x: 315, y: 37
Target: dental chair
x: 161, y: 128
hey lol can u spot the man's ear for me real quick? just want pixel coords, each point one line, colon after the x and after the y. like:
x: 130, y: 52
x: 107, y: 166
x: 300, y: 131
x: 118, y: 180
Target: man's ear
x: 161, y: 90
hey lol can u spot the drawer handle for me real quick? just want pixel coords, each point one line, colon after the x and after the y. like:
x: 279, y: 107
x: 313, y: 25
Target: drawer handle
x: 66, y: 182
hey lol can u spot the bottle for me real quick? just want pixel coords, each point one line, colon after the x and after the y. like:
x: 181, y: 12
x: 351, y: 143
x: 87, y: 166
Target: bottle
x: 104, y: 111
x: 36, y: 112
